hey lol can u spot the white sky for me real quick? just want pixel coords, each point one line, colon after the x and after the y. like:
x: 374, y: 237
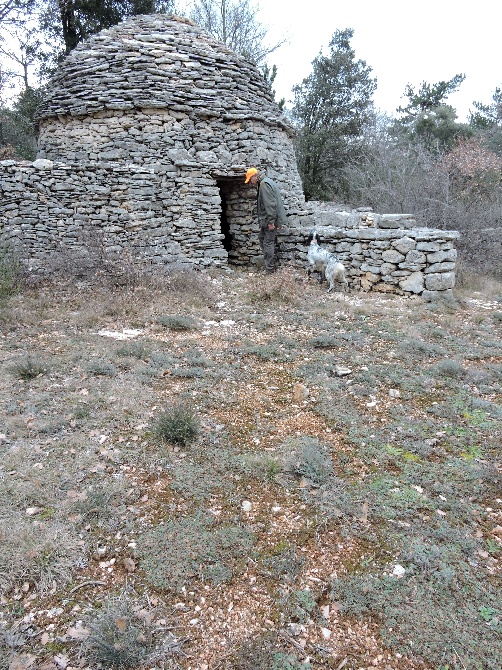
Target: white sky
x: 428, y: 40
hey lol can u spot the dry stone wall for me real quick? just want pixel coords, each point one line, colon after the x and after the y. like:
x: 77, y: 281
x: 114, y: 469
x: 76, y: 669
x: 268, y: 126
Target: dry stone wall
x: 144, y: 139
x: 381, y: 252
x: 152, y: 214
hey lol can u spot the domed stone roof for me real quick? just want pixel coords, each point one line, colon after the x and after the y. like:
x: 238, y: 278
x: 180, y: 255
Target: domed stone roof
x: 159, y: 62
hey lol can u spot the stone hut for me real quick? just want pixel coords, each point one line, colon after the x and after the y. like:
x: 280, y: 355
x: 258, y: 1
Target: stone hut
x: 153, y: 124
x: 145, y: 136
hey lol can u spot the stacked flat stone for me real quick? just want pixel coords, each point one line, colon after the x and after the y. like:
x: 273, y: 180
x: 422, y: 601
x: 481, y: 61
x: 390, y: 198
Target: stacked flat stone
x: 144, y: 139
x: 392, y: 254
x: 159, y: 62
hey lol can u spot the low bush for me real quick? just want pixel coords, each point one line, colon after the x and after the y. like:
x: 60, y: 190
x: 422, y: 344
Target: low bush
x: 311, y: 460
x: 35, y: 552
x: 178, y: 425
x: 28, y: 368
x: 176, y: 322
x: 281, y: 287
x: 264, y: 653
x: 118, y: 638
x: 285, y: 563
x: 178, y: 551
x: 134, y: 350
x: 433, y: 611
x: 101, y: 368
x: 449, y: 368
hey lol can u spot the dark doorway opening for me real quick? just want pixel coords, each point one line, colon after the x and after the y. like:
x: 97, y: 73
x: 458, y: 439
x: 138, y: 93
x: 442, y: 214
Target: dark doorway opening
x: 237, y: 202
x: 225, y: 223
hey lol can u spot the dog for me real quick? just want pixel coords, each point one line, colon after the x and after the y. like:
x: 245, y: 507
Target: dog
x: 324, y: 263
x: 317, y: 257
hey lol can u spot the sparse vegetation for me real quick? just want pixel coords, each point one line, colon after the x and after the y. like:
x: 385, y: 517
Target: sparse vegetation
x: 28, y: 368
x: 178, y: 425
x: 176, y: 322
x: 10, y: 272
x: 228, y: 484
x: 177, y: 552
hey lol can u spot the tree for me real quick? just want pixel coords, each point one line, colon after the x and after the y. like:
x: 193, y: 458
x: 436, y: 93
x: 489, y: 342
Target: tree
x: 331, y: 107
x: 427, y: 119
x: 12, y: 10
x: 16, y: 125
x: 487, y: 122
x: 235, y: 23
x: 23, y: 50
x: 74, y: 20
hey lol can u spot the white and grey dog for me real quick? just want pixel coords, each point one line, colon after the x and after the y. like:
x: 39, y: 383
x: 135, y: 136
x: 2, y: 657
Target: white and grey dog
x: 324, y: 262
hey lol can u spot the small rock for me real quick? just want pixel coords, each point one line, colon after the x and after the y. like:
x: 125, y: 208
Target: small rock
x: 326, y: 633
x: 342, y: 371
x: 61, y: 661
x: 129, y: 564
x: 295, y: 629
x: 31, y: 511
x: 101, y: 551
x: 300, y: 392
x: 246, y: 506
x: 398, y: 571
x: 394, y: 393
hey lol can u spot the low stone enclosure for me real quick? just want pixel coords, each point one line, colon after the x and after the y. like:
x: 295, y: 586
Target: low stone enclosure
x: 155, y: 216
x: 381, y: 252
x: 144, y: 138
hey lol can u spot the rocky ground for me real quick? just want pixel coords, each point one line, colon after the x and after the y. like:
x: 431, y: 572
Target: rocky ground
x: 329, y: 498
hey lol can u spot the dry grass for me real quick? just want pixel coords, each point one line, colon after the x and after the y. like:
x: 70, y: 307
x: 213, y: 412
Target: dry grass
x: 269, y: 531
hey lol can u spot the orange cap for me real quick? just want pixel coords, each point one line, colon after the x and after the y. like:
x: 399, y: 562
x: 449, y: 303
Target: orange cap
x: 250, y: 173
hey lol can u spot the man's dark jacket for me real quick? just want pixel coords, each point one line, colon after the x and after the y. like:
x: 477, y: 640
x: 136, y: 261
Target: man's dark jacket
x: 269, y: 204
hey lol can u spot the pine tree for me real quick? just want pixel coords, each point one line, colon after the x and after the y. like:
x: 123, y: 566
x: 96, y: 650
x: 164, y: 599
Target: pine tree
x: 330, y: 109
x: 427, y: 119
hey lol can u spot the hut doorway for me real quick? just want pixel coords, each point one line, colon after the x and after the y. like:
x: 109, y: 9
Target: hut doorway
x: 238, y: 220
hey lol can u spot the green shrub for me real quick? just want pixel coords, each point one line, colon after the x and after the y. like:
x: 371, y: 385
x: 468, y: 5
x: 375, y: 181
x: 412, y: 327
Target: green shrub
x: 325, y: 341
x: 264, y: 653
x: 262, y: 466
x: 28, y: 368
x: 418, y: 349
x: 178, y: 425
x: 101, y: 368
x: 38, y: 554
x: 449, y: 368
x: 134, y: 350
x: 118, y: 637
x: 312, y: 460
x: 434, y: 610
x: 175, y: 322
x: 286, y: 563
x: 178, y: 551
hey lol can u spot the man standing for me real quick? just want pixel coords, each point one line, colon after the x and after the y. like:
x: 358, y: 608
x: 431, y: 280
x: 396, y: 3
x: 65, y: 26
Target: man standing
x: 271, y: 214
